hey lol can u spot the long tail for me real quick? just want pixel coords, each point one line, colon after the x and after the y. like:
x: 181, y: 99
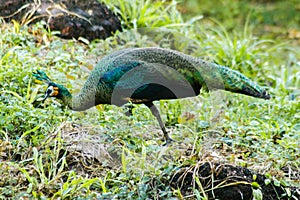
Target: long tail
x: 236, y: 82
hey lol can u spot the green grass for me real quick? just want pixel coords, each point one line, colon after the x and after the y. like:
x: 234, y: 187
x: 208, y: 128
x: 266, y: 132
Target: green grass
x: 146, y: 13
x: 52, y: 152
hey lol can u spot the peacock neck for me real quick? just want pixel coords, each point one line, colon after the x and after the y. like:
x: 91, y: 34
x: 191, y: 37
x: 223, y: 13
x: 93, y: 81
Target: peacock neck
x: 78, y: 102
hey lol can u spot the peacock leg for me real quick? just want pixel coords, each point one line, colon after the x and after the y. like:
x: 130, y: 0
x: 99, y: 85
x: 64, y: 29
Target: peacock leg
x: 155, y: 112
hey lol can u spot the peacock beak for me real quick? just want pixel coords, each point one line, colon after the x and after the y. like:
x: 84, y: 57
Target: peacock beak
x: 41, y: 101
x: 45, y: 97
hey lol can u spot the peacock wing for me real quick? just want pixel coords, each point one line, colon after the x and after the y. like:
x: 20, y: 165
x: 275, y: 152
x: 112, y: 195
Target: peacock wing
x: 146, y: 81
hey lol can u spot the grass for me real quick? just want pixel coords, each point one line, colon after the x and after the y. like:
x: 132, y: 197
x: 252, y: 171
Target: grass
x: 101, y: 153
x: 146, y: 13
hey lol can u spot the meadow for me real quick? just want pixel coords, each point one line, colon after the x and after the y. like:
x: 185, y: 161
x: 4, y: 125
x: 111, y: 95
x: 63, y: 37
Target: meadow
x: 51, y: 152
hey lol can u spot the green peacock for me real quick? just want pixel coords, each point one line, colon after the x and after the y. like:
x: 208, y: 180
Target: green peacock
x: 144, y: 75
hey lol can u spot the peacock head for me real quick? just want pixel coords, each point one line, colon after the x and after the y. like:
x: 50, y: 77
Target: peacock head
x: 53, y: 89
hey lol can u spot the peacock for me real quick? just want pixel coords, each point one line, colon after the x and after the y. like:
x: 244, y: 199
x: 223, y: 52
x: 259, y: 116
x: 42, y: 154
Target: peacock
x: 144, y: 75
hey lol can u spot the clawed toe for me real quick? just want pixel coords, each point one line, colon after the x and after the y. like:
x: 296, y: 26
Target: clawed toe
x: 168, y: 141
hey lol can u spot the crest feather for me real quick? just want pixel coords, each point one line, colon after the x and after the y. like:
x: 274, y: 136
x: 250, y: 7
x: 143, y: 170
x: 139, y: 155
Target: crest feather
x: 41, y: 76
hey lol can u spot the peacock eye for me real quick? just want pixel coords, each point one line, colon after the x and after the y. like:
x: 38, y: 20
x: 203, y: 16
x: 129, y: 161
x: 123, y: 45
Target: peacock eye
x: 49, y: 90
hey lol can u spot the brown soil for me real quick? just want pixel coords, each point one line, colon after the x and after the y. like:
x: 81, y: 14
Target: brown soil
x: 229, y: 183
x: 89, y: 19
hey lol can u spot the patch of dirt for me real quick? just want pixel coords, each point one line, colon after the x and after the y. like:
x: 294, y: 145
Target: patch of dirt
x: 227, y: 182
x: 76, y: 18
x: 86, y: 152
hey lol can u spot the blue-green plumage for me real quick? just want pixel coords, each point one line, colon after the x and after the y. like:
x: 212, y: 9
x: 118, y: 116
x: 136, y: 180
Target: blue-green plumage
x: 112, y: 77
x: 143, y: 75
